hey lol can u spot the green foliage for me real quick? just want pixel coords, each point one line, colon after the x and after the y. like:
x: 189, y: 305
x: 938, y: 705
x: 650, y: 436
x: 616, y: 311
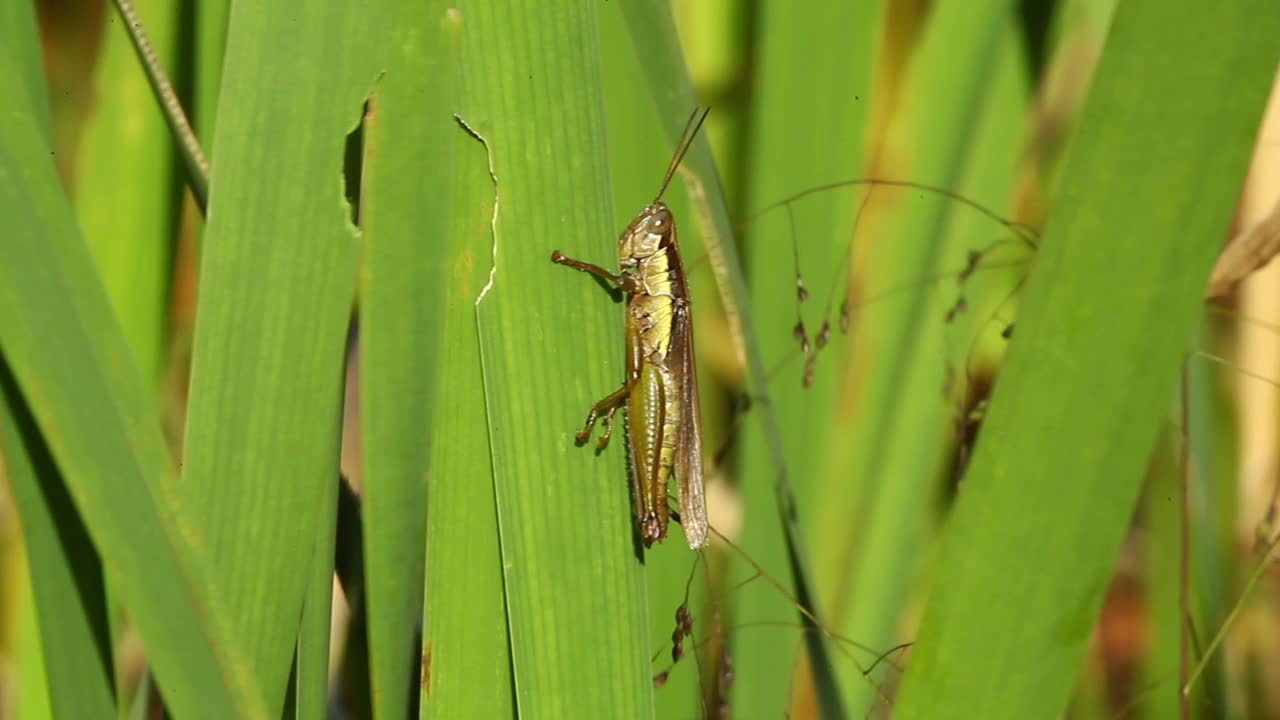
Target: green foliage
x: 374, y: 305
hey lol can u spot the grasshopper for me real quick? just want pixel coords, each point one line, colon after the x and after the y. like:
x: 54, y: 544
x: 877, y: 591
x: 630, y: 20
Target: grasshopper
x: 660, y: 390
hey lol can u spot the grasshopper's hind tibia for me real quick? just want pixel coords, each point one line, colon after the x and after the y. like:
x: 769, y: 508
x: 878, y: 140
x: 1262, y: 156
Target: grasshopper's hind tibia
x: 603, y: 440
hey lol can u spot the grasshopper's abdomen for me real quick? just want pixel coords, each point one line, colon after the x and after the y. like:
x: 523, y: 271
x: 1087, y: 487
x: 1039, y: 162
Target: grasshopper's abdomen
x: 651, y: 426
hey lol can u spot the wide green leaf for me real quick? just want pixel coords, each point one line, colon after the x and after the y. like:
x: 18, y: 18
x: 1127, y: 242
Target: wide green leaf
x: 550, y: 345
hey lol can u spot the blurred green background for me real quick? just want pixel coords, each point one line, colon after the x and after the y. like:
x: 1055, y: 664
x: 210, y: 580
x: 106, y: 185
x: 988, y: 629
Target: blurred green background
x: 369, y: 297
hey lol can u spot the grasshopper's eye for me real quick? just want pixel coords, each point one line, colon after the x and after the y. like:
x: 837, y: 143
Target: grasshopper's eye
x: 660, y: 221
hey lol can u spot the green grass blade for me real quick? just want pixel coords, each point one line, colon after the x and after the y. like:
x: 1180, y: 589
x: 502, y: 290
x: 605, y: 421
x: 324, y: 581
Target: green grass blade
x: 405, y: 290
x: 149, y: 57
x: 212, y: 17
x: 125, y: 197
x: 66, y: 574
x: 276, y: 286
x: 960, y: 127
x: 1214, y: 431
x: 551, y: 344
x: 653, y: 34
x: 144, y: 699
x: 311, y: 663
x: 1163, y: 513
x: 124, y: 187
x: 789, y: 151
x: 77, y: 375
x: 423, y: 391
x: 348, y: 566
x: 1160, y: 153
x: 466, y: 656
x: 21, y: 40
x: 657, y: 45
x: 639, y: 151
x: 33, y: 701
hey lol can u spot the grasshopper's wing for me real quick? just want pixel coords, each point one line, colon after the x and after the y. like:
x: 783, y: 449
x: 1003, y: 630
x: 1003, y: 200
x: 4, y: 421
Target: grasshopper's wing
x: 688, y: 456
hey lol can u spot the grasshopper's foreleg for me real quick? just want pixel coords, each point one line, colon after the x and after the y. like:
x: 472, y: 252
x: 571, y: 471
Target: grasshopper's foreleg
x: 561, y: 259
x: 624, y: 281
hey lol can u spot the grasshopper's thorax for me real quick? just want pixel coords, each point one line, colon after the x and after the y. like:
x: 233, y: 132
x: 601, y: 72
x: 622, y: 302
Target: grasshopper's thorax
x: 648, y: 234
x: 649, y: 257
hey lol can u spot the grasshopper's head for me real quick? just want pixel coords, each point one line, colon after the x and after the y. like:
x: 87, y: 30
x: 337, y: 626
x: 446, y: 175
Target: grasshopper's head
x: 648, y: 233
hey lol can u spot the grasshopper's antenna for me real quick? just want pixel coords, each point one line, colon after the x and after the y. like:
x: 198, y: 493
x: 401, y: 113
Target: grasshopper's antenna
x: 686, y: 141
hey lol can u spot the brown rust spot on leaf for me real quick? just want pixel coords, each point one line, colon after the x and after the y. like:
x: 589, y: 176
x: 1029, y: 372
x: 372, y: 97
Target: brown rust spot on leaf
x: 425, y: 680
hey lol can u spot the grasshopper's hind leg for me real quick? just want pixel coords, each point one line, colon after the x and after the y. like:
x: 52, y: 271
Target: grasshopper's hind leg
x: 608, y: 427
x: 608, y: 406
